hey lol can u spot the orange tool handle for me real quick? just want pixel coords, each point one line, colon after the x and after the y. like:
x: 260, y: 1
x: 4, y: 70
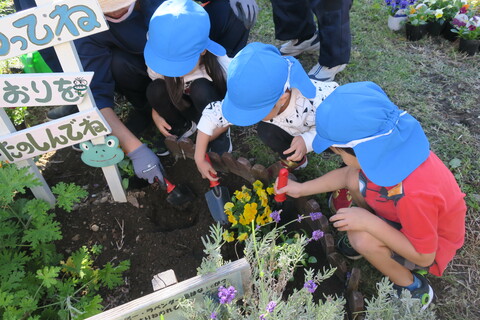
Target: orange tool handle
x: 212, y: 183
x: 170, y: 186
x: 282, y: 182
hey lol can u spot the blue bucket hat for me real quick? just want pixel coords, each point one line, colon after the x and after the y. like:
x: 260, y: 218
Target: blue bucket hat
x: 177, y: 35
x: 256, y: 79
x: 388, y: 142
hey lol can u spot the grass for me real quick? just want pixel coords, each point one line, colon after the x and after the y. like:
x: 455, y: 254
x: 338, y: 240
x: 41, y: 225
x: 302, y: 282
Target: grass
x: 433, y: 82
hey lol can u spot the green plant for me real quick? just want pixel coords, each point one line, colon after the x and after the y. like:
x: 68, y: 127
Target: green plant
x: 466, y: 23
x: 34, y: 281
x: 127, y: 171
x: 418, y: 14
x: 17, y: 114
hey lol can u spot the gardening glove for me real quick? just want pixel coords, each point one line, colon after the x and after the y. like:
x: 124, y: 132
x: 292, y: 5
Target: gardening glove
x: 246, y: 11
x: 147, y: 165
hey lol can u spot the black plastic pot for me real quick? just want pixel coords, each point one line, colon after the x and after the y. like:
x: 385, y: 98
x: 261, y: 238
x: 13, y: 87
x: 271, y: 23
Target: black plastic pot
x: 415, y: 33
x: 435, y: 28
x: 470, y: 47
x: 447, y: 32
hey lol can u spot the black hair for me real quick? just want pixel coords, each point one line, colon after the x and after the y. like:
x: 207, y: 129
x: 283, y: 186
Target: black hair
x: 347, y: 150
x: 214, y: 70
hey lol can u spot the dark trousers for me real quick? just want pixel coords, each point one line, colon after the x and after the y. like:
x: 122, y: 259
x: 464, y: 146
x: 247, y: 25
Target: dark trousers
x: 226, y: 28
x: 294, y: 20
x: 202, y: 92
x: 274, y: 137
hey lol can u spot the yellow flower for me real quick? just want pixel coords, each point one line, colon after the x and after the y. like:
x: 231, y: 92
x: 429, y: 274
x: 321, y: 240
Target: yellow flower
x: 263, y: 197
x: 249, y: 212
x: 242, y: 236
x: 270, y: 190
x: 267, y: 211
x: 238, y: 194
x: 232, y: 219
x: 228, y: 236
x: 262, y: 219
x: 257, y: 185
x: 412, y: 10
x: 228, y: 208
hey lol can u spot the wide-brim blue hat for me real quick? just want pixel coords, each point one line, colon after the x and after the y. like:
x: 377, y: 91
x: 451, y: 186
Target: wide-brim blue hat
x: 388, y: 142
x: 178, y: 33
x: 257, y: 77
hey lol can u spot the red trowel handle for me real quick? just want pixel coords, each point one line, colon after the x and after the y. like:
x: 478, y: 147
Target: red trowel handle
x: 282, y: 182
x: 212, y: 183
x: 170, y: 186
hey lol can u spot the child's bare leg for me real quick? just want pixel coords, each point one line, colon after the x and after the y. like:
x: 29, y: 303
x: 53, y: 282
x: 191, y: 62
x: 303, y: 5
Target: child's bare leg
x: 380, y: 257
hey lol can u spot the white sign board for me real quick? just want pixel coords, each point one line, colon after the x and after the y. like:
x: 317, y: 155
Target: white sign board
x: 164, y: 302
x: 53, y: 135
x: 43, y: 89
x: 48, y: 25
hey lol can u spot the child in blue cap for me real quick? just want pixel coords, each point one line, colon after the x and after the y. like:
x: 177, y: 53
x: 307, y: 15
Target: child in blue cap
x: 188, y: 69
x: 411, y: 211
x: 274, y: 91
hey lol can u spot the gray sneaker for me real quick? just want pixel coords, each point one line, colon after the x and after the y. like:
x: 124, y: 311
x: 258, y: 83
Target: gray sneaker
x: 322, y: 73
x: 294, y: 47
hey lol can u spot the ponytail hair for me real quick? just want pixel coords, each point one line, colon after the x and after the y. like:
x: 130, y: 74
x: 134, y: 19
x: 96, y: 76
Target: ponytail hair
x: 214, y: 70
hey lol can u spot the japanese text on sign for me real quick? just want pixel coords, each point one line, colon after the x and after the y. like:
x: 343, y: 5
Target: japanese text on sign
x: 48, y: 25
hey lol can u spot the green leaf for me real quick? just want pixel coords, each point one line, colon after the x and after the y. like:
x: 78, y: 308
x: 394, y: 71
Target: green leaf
x: 68, y: 195
x: 455, y: 163
x: 42, y: 232
x: 112, y: 276
x: 6, y: 299
x: 48, y: 276
x: 312, y: 259
x: 13, y: 181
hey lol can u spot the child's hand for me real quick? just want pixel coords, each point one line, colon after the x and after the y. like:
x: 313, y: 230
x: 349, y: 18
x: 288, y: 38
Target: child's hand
x: 206, y: 170
x: 352, y: 219
x: 161, y: 124
x: 298, y: 147
x: 293, y: 189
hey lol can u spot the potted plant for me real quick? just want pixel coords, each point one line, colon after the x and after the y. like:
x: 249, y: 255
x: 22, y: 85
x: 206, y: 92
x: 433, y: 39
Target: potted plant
x: 397, y: 15
x: 449, y: 11
x: 467, y: 25
x: 416, y: 23
x: 436, y: 19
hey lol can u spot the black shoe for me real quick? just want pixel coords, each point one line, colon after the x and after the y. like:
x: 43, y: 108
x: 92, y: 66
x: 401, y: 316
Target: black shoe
x: 345, y: 248
x: 159, y: 147
x: 222, y: 144
x: 61, y: 112
x: 185, y: 131
x: 76, y: 147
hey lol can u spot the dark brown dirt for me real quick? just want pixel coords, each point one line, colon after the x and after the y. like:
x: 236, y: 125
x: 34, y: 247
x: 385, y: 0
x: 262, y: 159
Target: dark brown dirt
x: 147, y: 230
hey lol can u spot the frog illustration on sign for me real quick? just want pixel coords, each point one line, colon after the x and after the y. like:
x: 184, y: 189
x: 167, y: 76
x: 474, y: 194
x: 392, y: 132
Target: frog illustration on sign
x: 102, y: 155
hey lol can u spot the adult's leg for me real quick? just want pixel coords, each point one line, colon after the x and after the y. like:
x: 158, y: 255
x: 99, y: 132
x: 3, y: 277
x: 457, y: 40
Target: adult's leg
x: 226, y: 28
x: 274, y: 137
x: 334, y: 31
x: 293, y: 19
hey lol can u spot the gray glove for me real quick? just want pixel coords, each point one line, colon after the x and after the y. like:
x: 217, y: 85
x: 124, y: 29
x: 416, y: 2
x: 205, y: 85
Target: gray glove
x: 245, y: 10
x: 146, y: 164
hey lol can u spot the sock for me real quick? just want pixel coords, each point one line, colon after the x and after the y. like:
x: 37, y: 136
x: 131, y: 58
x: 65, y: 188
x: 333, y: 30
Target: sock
x: 415, y: 285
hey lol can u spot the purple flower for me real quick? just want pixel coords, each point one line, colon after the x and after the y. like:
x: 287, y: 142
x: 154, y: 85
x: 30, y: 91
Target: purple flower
x: 459, y: 23
x: 275, y: 215
x: 463, y: 9
x: 472, y: 27
x: 226, y: 295
x: 315, y: 216
x: 299, y: 218
x: 271, y: 306
x: 311, y: 286
x: 317, y: 234
x: 262, y: 317
x: 213, y: 315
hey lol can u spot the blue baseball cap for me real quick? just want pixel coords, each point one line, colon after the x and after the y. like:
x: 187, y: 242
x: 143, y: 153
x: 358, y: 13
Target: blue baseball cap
x: 257, y: 77
x: 388, y: 142
x: 177, y: 35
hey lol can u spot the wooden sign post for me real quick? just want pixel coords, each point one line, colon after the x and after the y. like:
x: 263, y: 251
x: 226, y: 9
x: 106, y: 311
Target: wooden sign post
x: 165, y: 301
x: 54, y: 24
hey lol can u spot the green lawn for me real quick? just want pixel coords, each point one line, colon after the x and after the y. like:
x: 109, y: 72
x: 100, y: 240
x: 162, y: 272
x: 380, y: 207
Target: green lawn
x: 436, y: 84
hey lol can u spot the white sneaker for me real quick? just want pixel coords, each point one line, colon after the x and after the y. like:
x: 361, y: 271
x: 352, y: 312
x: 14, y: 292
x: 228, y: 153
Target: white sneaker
x: 322, y: 73
x: 293, y: 48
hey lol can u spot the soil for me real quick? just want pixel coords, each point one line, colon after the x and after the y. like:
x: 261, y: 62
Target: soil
x: 154, y: 235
